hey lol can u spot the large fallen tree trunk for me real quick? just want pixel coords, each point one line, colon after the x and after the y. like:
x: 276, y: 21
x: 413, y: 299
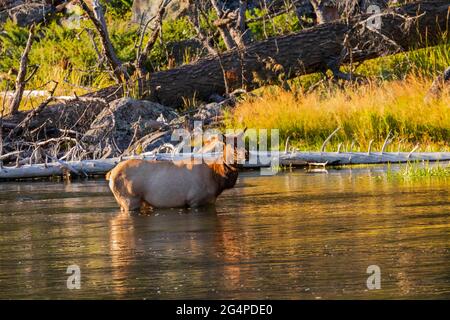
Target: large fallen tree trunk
x: 308, y: 51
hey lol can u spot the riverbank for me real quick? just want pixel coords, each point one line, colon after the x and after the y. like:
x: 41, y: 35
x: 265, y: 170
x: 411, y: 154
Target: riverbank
x: 365, y: 113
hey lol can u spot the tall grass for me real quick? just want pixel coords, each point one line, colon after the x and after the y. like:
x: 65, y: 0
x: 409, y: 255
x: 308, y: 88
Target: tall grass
x: 363, y: 112
x: 392, y: 101
x: 417, y: 170
x: 62, y: 55
x: 426, y: 62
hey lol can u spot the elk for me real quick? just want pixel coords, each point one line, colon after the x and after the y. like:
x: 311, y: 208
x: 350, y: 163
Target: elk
x: 181, y: 183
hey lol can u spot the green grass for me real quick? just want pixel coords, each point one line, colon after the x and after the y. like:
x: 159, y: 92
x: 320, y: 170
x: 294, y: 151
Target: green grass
x: 392, y: 100
x: 418, y: 170
x: 67, y: 55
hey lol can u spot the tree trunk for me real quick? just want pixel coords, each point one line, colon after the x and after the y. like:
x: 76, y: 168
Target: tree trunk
x: 289, y: 56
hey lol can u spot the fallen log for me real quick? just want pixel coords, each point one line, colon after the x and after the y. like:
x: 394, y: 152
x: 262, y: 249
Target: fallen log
x: 407, y: 27
x: 256, y: 160
x: 351, y: 158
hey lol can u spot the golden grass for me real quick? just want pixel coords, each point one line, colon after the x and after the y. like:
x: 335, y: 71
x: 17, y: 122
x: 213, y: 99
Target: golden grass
x: 363, y: 112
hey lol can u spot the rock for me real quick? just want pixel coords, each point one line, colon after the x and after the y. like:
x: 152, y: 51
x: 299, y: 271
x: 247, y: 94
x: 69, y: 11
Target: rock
x: 149, y: 8
x: 26, y: 12
x: 125, y: 121
x: 150, y: 142
x: 209, y: 113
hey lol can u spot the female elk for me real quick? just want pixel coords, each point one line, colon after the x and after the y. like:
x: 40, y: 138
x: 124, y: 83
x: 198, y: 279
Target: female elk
x: 166, y: 184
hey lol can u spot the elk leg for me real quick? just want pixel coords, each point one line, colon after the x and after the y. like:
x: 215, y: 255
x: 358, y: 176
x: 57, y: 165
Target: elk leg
x: 128, y: 204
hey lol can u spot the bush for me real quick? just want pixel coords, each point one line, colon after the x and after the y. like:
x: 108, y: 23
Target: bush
x: 118, y: 8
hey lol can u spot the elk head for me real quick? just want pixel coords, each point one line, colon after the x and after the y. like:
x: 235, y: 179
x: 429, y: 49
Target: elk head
x: 233, y: 152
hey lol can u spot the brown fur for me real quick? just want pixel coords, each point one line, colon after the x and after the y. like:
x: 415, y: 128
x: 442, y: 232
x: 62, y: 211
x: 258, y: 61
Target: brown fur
x: 170, y: 184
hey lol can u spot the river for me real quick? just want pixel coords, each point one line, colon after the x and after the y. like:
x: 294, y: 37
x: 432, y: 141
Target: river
x: 296, y: 235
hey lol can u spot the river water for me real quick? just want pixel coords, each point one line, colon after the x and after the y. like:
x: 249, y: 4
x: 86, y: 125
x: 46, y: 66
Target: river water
x: 296, y: 235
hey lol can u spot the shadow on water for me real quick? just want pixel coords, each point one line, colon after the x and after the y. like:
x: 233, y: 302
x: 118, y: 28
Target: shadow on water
x: 295, y: 235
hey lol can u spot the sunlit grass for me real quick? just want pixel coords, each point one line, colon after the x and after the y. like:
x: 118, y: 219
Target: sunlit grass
x: 363, y: 112
x: 417, y: 170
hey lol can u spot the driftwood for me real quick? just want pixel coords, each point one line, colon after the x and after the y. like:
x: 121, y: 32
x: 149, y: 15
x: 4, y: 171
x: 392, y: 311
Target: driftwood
x: 349, y: 158
x: 296, y: 159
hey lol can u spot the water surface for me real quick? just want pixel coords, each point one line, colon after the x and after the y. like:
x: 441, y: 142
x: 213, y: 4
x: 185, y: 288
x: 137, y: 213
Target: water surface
x: 296, y: 235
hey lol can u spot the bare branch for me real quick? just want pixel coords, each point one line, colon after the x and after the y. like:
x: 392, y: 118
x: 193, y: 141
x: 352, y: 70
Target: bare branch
x: 98, y: 19
x: 140, y: 60
x: 222, y: 23
x: 194, y: 19
x: 20, y: 81
x: 24, y: 123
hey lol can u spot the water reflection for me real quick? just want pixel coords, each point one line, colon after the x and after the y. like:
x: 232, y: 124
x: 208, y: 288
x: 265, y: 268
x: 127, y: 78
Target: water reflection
x: 296, y: 235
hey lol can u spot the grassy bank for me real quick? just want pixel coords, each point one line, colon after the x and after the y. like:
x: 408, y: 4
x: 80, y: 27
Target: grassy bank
x: 416, y: 171
x: 367, y: 112
x: 391, y: 101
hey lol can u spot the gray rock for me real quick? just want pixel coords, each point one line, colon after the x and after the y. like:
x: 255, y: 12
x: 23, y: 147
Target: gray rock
x: 27, y: 14
x: 149, y: 8
x: 125, y: 121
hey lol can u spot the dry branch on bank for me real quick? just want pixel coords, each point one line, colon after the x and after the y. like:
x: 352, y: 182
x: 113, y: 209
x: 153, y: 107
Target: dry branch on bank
x: 93, y: 129
x: 96, y: 16
x: 21, y: 80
